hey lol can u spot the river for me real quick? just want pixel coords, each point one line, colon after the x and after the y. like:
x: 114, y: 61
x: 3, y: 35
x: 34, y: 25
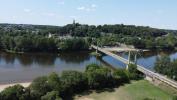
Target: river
x: 26, y: 67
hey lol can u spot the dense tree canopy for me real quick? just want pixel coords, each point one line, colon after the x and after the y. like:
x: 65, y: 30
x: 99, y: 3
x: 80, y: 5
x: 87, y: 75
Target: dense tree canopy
x: 64, y: 86
x: 16, y: 92
x: 25, y: 38
x: 167, y: 67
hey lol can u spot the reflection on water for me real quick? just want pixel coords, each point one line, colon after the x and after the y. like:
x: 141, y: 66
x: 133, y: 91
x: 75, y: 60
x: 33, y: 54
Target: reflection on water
x: 148, y: 59
x: 41, y: 59
x: 25, y: 67
x: 74, y: 57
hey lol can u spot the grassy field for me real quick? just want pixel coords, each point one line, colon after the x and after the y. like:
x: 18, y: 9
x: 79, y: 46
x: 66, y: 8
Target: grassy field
x: 137, y: 90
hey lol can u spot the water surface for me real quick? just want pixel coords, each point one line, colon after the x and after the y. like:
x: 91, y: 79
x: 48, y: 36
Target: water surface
x: 26, y: 67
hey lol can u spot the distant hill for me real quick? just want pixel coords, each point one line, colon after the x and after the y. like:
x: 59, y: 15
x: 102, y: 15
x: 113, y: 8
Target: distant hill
x: 77, y: 29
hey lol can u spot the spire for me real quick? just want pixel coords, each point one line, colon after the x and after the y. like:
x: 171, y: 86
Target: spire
x: 74, y: 21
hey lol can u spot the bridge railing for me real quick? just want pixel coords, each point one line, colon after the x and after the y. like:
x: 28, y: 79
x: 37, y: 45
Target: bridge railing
x: 157, y: 76
x: 140, y: 68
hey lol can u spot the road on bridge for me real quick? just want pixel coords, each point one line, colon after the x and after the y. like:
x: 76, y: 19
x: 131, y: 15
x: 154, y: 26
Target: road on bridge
x: 142, y: 69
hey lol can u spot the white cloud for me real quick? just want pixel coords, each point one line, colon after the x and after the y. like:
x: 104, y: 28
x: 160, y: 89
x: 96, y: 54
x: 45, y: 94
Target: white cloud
x: 88, y: 9
x: 27, y: 10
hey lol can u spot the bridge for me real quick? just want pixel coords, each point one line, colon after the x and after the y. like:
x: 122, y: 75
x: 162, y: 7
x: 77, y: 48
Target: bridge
x: 150, y: 75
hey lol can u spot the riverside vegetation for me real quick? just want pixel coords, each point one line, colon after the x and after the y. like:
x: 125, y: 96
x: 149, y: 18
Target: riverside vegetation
x: 55, y: 87
x: 167, y: 67
x: 34, y: 38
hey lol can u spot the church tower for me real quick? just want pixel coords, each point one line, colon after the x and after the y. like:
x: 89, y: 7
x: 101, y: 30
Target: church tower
x: 74, y: 21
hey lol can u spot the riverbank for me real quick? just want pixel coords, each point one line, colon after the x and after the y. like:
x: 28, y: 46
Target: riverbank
x: 3, y: 86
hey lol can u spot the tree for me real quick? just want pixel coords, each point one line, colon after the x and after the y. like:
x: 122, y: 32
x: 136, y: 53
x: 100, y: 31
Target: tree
x: 171, y: 39
x: 73, y: 82
x: 173, y: 70
x: 13, y: 93
x: 74, y: 44
x: 150, y: 44
x: 54, y: 82
x: 167, y: 67
x: 98, y: 76
x: 134, y: 74
x: 53, y: 95
x: 92, y: 67
x: 121, y: 76
x: 162, y: 64
x: 39, y: 87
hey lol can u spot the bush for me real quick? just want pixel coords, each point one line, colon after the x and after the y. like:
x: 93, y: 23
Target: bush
x: 54, y: 95
x: 134, y: 74
x: 164, y: 66
x: 92, y: 67
x: 73, y: 82
x: 121, y: 76
x: 54, y: 82
x: 39, y: 87
x: 98, y: 76
x: 16, y: 92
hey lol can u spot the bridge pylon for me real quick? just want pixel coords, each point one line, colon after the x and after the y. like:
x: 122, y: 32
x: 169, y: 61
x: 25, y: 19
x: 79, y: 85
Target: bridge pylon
x: 129, y: 55
x: 129, y: 59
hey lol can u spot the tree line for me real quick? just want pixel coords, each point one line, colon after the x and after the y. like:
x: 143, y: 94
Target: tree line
x: 40, y: 43
x: 83, y: 30
x: 168, y: 42
x: 64, y: 86
x: 139, y: 36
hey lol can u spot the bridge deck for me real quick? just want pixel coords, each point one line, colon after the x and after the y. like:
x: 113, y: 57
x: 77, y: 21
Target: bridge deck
x: 139, y: 67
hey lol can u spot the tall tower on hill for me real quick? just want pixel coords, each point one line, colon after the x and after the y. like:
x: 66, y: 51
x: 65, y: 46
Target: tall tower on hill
x: 74, y: 21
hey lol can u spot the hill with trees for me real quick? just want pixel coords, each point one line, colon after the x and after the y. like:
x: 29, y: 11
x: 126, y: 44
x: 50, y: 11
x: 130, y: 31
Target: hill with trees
x: 32, y: 38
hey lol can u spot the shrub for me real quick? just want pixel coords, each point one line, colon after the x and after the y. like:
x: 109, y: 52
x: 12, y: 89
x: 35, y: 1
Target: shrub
x: 39, y: 87
x: 98, y: 76
x: 53, y: 95
x: 73, y: 82
x: 134, y: 74
x: 54, y: 82
x: 13, y: 93
x: 121, y: 76
x: 92, y: 67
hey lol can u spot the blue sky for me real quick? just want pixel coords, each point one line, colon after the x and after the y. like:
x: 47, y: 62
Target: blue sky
x: 154, y: 13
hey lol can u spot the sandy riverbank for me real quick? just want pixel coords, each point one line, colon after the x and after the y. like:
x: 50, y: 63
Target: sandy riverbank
x: 3, y: 86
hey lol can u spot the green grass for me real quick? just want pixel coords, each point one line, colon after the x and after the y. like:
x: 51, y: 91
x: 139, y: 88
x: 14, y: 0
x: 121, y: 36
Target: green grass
x: 137, y: 90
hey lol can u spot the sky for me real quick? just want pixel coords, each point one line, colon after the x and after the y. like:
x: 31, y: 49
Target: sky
x: 153, y: 13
